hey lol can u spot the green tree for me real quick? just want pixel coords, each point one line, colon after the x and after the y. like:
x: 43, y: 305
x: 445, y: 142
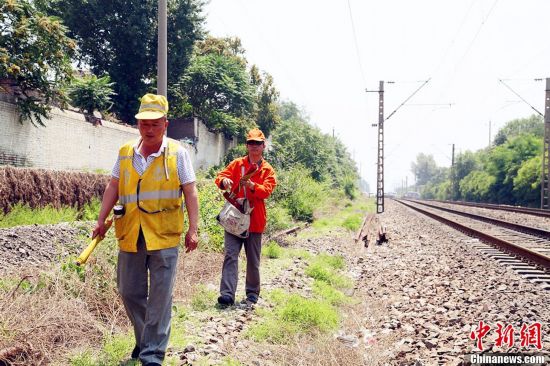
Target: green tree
x: 295, y: 141
x: 119, y: 38
x: 464, y: 164
x: 477, y: 186
x: 424, y: 169
x: 90, y: 93
x: 532, y: 125
x: 527, y: 182
x: 34, y: 58
x: 267, y: 112
x: 504, y: 161
x: 217, y: 88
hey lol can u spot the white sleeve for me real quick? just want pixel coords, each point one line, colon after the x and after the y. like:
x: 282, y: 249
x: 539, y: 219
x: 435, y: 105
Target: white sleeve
x: 115, y: 173
x: 186, y: 173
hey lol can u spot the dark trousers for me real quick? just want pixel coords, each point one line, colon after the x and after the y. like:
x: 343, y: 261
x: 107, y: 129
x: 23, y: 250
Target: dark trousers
x: 230, y: 270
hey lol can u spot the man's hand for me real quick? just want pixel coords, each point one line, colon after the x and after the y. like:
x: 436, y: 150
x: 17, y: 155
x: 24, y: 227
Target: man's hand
x: 227, y: 183
x: 99, y: 229
x: 248, y: 183
x: 191, y: 240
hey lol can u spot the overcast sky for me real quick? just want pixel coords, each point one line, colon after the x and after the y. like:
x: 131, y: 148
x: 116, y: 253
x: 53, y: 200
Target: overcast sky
x: 323, y: 54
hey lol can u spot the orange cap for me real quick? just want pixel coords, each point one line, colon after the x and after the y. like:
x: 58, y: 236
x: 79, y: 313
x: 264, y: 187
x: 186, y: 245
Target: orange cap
x: 255, y: 134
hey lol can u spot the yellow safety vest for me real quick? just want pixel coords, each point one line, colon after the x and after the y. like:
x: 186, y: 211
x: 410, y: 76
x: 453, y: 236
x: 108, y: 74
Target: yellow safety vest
x: 159, y: 210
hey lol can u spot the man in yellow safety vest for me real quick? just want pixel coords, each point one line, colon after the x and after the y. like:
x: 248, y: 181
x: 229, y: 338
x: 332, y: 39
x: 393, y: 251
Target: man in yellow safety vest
x: 148, y: 180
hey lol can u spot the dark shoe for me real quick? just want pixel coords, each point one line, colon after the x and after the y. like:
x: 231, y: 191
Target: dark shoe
x: 152, y: 364
x: 225, y: 301
x: 253, y: 298
x: 135, y: 352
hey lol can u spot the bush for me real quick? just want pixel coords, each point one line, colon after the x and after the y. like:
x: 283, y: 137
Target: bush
x: 299, y: 193
x: 278, y: 218
x: 210, y: 204
x: 272, y: 250
x: 90, y: 93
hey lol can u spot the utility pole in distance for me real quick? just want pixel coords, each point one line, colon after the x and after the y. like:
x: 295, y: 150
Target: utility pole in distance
x: 380, y: 161
x: 162, y: 52
x: 380, y: 174
x: 545, y: 180
x: 453, y: 173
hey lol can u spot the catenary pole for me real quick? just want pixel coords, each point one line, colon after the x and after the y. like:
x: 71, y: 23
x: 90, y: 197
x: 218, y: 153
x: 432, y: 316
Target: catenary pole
x: 162, y: 54
x: 545, y: 180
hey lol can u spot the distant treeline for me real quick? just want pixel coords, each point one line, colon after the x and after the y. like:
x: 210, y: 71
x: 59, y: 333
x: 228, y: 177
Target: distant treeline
x: 507, y: 172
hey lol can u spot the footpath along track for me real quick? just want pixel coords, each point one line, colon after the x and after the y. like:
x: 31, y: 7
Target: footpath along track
x: 525, y: 248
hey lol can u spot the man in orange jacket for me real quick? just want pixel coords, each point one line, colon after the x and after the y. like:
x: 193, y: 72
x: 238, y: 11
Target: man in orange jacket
x: 258, y: 188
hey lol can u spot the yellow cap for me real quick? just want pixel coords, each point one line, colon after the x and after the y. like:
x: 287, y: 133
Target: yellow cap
x: 152, y: 107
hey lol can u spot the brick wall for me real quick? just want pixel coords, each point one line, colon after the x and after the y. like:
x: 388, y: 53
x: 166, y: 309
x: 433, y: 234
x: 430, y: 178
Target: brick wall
x: 68, y: 142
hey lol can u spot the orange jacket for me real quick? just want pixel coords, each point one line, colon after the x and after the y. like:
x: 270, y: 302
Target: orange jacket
x: 265, y: 182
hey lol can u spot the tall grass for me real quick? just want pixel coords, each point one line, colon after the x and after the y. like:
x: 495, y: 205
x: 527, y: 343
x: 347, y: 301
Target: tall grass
x: 22, y: 214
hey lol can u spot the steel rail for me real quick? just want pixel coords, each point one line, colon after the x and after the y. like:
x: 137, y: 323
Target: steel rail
x: 525, y: 210
x: 532, y: 256
x: 507, y: 224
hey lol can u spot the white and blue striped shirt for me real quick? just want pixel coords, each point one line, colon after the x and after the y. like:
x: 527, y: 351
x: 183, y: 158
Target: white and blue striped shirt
x: 186, y: 173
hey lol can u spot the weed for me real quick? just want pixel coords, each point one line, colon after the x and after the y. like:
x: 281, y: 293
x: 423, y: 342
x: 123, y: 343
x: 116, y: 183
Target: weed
x: 272, y: 330
x: 353, y: 222
x: 203, y: 298
x: 298, y: 253
x: 323, y: 268
x: 228, y: 361
x: 115, y: 348
x: 329, y: 293
x: 309, y: 314
x: 21, y: 214
x: 83, y: 359
x: 332, y: 261
x: 272, y: 250
x: 90, y: 210
x: 293, y: 315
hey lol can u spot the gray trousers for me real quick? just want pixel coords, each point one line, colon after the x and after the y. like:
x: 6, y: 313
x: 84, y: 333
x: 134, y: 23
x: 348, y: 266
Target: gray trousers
x: 230, y: 270
x: 145, y: 282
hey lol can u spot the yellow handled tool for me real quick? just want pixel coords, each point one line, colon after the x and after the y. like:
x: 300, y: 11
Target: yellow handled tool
x: 83, y: 257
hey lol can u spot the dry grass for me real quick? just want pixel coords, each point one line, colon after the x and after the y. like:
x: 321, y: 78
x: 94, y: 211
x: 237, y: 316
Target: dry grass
x: 322, y: 350
x: 40, y: 187
x: 196, y: 268
x: 45, y: 316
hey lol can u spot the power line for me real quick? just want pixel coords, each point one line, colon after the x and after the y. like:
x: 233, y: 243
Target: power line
x: 477, y: 33
x: 520, y: 97
x: 406, y: 100
x: 356, y: 45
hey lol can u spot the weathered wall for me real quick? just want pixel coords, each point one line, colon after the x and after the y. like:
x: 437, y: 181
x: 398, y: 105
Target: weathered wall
x: 68, y: 142
x: 206, y: 148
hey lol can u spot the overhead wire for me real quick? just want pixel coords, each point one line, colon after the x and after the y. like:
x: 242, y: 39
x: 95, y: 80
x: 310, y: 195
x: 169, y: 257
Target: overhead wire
x: 356, y: 44
x: 443, y: 57
x: 520, y: 97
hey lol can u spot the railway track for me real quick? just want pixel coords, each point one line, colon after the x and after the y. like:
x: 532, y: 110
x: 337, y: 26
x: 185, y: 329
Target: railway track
x: 525, y: 210
x: 525, y: 249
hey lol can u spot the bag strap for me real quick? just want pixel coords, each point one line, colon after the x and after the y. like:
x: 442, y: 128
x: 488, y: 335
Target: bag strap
x: 242, y: 175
